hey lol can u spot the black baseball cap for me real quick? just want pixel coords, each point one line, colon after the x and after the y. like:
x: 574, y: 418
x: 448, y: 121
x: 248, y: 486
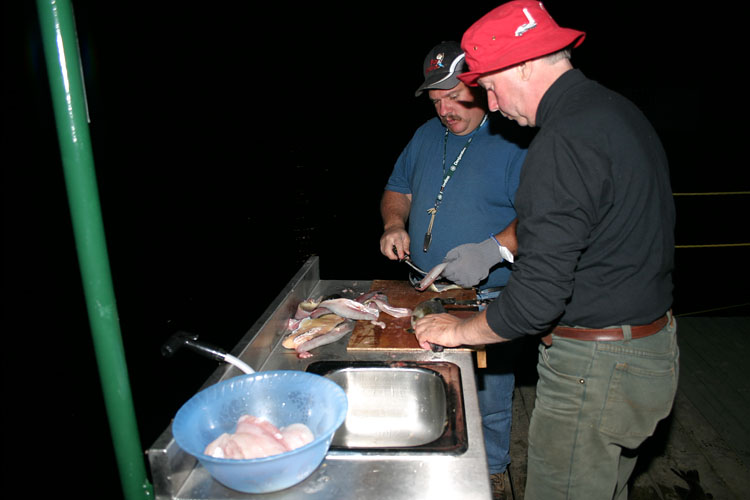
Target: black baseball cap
x: 442, y: 66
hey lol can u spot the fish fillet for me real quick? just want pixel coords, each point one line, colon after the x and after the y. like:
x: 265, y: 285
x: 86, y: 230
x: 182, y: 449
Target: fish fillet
x: 319, y: 339
x: 431, y: 276
x: 333, y: 318
x: 311, y: 326
x: 297, y: 435
x: 351, y: 309
x: 368, y: 296
x: 396, y: 312
x: 305, y: 307
x: 256, y: 437
x: 380, y: 300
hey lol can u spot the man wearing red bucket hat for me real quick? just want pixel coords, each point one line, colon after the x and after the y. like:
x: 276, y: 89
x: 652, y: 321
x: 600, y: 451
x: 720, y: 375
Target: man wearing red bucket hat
x: 592, y: 275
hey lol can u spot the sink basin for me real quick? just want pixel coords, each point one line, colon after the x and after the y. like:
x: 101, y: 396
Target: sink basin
x: 399, y: 406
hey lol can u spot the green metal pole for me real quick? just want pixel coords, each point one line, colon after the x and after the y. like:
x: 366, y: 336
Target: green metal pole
x: 66, y: 84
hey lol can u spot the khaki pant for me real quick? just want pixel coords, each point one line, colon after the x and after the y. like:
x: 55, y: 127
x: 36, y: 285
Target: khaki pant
x: 596, y: 402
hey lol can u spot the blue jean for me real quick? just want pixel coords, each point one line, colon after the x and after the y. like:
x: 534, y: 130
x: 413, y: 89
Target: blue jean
x: 495, y: 386
x: 495, y: 392
x: 596, y: 402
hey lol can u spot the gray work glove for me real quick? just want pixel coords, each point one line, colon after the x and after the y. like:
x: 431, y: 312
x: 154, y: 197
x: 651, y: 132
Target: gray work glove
x: 470, y: 263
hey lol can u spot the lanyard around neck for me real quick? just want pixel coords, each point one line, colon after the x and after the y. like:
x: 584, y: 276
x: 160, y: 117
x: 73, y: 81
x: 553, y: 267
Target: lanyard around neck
x: 448, y: 174
x: 446, y: 177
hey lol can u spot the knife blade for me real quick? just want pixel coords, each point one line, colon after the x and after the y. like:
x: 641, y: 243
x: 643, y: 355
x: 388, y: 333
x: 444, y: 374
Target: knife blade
x: 407, y: 260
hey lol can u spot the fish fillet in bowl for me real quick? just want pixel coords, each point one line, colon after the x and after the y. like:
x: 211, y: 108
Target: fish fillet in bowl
x: 283, y: 398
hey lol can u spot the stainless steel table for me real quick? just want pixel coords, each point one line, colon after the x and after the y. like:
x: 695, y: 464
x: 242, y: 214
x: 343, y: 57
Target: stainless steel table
x: 343, y: 474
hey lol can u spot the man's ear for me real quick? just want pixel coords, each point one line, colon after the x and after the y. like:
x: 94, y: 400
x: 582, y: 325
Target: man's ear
x: 525, y: 69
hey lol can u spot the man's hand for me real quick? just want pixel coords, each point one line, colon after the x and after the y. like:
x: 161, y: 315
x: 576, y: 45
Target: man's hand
x: 470, y: 263
x: 394, y: 208
x: 394, y: 243
x: 450, y: 331
x: 440, y: 329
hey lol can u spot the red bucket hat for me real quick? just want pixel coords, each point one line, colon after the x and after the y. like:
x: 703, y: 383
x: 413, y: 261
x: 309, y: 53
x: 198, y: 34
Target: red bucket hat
x: 510, y: 34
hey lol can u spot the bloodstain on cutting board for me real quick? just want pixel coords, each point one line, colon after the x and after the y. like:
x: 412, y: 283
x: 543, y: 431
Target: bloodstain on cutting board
x: 369, y: 337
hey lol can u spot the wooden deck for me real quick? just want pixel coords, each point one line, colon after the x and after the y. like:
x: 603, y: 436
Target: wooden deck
x: 702, y: 450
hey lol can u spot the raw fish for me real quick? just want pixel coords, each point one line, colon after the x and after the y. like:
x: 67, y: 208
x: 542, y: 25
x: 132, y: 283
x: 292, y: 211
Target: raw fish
x: 256, y: 437
x: 331, y: 319
x: 368, y: 296
x: 297, y: 435
x: 380, y: 300
x: 306, y: 307
x: 433, y: 306
x: 396, y: 312
x: 351, y: 309
x: 431, y: 276
x: 252, y: 439
x: 250, y: 424
x: 309, y: 327
x: 324, y: 338
x: 441, y: 287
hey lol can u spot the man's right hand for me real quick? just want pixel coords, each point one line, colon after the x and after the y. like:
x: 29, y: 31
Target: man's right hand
x: 394, y: 208
x: 394, y: 243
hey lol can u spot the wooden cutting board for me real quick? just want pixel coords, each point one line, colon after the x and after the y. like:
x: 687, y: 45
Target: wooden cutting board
x: 369, y: 337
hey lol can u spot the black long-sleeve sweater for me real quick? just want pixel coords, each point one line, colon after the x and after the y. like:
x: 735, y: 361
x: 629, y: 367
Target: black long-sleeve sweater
x: 596, y: 217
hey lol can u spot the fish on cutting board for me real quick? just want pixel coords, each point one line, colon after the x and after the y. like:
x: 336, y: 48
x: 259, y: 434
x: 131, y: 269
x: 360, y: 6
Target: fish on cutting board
x: 321, y: 322
x: 351, y: 309
x: 432, y: 306
x: 380, y: 300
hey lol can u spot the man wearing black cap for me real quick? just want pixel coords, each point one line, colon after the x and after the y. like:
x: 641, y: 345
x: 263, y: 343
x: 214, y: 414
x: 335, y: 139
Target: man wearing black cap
x: 595, y: 256
x: 455, y: 183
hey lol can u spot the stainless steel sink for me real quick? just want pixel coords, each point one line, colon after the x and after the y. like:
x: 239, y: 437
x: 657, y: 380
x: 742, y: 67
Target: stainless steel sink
x: 399, y: 407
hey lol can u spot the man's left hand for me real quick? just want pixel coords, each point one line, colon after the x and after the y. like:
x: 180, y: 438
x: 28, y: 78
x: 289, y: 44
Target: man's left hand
x: 470, y: 263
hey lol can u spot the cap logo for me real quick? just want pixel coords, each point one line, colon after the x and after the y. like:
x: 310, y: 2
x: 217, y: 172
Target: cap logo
x: 452, y: 69
x: 527, y: 26
x: 436, y: 63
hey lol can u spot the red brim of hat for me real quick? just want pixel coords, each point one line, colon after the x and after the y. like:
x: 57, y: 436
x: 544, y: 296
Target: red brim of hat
x: 522, y: 52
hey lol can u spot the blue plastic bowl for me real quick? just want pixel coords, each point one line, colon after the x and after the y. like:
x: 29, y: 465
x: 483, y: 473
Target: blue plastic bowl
x: 283, y: 398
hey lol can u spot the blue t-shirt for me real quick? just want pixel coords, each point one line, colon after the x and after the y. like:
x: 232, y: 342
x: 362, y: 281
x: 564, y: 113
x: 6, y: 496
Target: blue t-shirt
x: 477, y: 201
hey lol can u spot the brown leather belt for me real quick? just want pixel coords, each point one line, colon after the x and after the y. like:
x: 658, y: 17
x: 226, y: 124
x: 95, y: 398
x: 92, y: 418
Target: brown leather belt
x: 606, y: 334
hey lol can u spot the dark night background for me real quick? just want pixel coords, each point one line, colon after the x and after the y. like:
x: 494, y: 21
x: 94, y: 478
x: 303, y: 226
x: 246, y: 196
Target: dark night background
x: 233, y: 142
